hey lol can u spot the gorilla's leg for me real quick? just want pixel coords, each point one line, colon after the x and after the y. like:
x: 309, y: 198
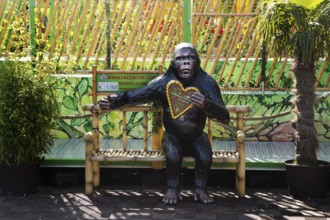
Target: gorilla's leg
x: 203, y: 154
x: 173, y: 152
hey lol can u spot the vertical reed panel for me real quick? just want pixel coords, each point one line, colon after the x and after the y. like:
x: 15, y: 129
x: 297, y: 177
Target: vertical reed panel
x: 81, y: 45
x: 5, y: 26
x: 133, y: 34
x: 94, y: 37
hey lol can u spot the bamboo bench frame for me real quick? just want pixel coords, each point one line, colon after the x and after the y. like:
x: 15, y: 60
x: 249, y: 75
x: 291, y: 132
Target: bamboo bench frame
x: 94, y: 155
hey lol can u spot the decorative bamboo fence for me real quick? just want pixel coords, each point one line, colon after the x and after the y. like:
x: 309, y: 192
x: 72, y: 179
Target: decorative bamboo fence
x: 141, y: 34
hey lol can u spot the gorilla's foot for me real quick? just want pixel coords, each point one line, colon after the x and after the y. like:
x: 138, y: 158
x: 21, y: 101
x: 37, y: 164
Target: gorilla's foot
x: 202, y: 196
x: 172, y: 196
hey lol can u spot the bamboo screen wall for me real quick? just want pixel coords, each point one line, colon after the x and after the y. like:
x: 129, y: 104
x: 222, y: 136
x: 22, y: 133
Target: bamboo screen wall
x: 142, y: 35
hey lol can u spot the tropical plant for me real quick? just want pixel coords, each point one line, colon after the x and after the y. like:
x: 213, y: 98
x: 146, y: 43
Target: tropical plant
x: 301, y: 33
x: 28, y: 106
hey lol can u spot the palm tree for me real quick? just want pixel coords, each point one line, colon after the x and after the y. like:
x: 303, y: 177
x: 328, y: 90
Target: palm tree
x: 301, y: 33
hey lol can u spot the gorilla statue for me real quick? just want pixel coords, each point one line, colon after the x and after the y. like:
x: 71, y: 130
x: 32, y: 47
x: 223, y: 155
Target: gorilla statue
x: 183, y: 135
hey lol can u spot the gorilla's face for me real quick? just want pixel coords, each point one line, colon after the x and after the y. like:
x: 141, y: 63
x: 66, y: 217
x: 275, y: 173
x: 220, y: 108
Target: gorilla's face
x: 186, y: 61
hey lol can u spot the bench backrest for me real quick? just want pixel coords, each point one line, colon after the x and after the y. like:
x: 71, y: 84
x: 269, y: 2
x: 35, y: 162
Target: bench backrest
x: 106, y: 82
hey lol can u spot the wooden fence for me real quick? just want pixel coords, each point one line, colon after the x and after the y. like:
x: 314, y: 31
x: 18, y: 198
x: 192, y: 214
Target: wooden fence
x: 141, y: 34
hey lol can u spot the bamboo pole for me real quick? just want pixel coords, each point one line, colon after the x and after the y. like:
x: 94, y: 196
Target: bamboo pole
x: 96, y: 145
x: 9, y: 39
x: 232, y: 49
x: 116, y: 17
x: 258, y: 47
x: 39, y: 17
x: 280, y: 74
x: 88, y: 138
x: 271, y: 70
x: 210, y: 20
x: 218, y: 53
x: 67, y: 32
x: 187, y: 5
x: 124, y: 131
x: 43, y: 16
x: 51, y: 22
x: 198, y: 23
x: 124, y: 30
x: 94, y: 83
x: 94, y: 38
x: 60, y: 29
x: 136, y: 43
x: 140, y: 40
x: 162, y: 34
x: 239, y: 41
x: 117, y: 26
x: 6, y: 24
x: 169, y: 42
x: 232, y: 14
x: 2, y: 9
x: 52, y: 10
x: 214, y: 38
x: 209, y: 131
x: 133, y: 34
x: 320, y: 73
x: 240, y: 166
x: 58, y: 23
x: 128, y: 34
x: 85, y: 34
x: 99, y: 48
x: 145, y: 130
x: 248, y: 54
x: 224, y: 44
x: 327, y: 84
x: 157, y: 134
x: 158, y: 18
x: 32, y: 28
x: 80, y: 25
x: 228, y: 47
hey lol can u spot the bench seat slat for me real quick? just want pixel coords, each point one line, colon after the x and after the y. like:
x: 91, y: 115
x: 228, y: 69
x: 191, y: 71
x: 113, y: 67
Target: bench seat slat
x: 140, y: 155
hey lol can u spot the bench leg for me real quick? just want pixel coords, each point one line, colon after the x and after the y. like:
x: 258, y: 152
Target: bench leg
x: 96, y: 174
x: 157, y: 138
x: 240, y: 166
x: 88, y: 177
x: 240, y: 179
x: 88, y: 138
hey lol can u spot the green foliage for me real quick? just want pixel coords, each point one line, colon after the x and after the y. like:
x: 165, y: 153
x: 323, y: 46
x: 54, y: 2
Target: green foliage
x: 28, y: 105
x: 292, y: 30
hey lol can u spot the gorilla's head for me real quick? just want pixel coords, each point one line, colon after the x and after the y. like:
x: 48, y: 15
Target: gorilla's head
x: 185, y: 62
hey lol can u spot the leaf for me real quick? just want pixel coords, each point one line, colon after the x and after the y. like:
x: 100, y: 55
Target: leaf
x: 83, y: 87
x: 70, y: 102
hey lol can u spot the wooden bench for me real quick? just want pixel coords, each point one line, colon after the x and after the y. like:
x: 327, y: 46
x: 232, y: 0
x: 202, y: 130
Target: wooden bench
x: 155, y: 153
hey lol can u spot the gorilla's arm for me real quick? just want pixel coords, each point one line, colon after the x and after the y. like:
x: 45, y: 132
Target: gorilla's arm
x: 214, y: 106
x: 149, y: 93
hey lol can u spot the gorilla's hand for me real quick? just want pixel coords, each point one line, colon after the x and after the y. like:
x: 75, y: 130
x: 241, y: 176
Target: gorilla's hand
x: 198, y: 99
x: 105, y: 103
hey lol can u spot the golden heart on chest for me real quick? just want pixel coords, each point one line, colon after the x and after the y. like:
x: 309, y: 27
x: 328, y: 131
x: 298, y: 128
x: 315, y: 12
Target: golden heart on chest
x: 179, y: 98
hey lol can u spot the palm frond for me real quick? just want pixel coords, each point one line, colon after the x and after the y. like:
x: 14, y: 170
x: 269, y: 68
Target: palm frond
x: 292, y: 30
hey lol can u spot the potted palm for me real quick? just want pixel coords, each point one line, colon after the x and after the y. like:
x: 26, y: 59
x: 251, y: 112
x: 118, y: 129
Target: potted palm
x: 28, y: 105
x: 301, y: 32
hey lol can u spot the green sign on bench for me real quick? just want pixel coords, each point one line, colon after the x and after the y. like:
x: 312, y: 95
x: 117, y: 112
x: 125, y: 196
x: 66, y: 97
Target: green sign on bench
x: 125, y: 81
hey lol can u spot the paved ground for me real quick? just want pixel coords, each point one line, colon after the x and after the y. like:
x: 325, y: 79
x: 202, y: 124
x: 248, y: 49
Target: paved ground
x: 139, y: 202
